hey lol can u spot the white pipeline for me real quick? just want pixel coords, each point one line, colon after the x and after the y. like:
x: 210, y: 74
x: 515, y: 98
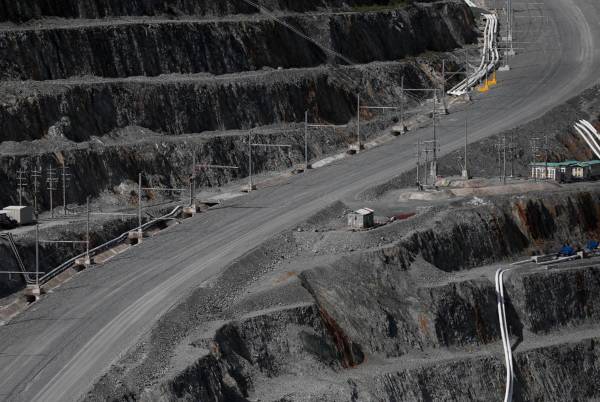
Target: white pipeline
x: 489, y: 58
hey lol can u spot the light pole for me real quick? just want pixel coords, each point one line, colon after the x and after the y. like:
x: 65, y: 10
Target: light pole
x: 358, y: 122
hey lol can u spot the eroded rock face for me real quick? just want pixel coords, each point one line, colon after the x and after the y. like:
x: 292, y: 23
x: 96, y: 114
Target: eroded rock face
x: 121, y: 49
x: 30, y: 9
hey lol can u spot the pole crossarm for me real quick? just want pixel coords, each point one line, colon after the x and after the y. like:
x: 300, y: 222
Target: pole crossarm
x: 421, y: 89
x: 62, y: 241
x: 163, y: 189
x: 382, y: 107
x: 207, y: 166
x: 111, y: 214
x: 271, y: 145
x: 326, y: 126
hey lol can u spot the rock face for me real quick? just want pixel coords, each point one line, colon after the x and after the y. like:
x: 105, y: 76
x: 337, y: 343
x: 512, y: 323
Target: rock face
x: 390, y: 322
x: 30, y: 9
x: 123, y: 49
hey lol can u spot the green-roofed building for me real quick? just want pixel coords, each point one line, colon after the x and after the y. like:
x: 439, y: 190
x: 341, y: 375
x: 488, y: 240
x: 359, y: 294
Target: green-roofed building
x: 566, y: 171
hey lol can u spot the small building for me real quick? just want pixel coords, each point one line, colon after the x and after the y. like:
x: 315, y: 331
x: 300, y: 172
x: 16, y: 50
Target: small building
x: 362, y: 218
x: 566, y: 171
x: 21, y: 214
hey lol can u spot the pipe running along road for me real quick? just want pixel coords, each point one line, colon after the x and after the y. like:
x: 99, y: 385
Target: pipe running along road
x: 489, y: 58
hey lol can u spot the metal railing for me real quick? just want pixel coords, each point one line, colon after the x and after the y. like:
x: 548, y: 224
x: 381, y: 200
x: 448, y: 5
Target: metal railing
x: 67, y: 264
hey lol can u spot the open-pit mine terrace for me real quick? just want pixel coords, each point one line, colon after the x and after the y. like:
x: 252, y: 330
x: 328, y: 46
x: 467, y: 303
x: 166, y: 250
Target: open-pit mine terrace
x: 266, y: 297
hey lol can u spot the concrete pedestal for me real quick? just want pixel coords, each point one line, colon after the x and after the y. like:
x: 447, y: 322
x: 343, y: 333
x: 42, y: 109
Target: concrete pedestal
x: 190, y: 211
x: 247, y: 188
x: 135, y: 236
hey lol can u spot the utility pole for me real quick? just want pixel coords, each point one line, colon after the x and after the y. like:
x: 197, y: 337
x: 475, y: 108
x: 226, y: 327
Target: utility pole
x: 37, y: 256
x: 512, y: 154
x: 504, y: 159
x: 358, y: 122
x: 88, y: 261
x: 140, y: 231
x: 445, y: 106
x: 546, y: 156
x: 501, y: 148
x: 36, y: 175
x: 51, y: 180
x: 250, y: 184
x: 434, y: 162
x: 418, y: 182
x: 535, y: 148
x: 465, y: 172
x: 402, y: 126
x: 193, y: 178
x: 21, y: 183
x: 429, y: 149
x: 65, y: 177
x: 467, y: 72
x: 305, y: 141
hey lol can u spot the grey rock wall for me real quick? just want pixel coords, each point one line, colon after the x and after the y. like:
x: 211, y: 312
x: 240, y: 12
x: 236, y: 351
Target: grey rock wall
x: 123, y: 49
x: 23, y: 10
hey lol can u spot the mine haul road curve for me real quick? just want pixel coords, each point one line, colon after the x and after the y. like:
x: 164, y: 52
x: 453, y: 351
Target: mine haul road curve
x: 59, y: 347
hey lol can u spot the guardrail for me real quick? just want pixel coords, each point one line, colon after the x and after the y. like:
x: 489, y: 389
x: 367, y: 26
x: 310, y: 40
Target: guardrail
x: 67, y: 264
x: 489, y: 58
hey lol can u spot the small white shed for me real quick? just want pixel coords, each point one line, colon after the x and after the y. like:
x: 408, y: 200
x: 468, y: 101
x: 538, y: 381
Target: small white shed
x: 362, y: 218
x: 21, y: 214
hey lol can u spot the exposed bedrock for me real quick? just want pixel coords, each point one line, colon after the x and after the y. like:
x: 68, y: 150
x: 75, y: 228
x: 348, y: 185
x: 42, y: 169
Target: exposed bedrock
x: 81, y: 109
x: 563, y: 372
x: 151, y: 48
x: 557, y: 298
x: 23, y: 10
